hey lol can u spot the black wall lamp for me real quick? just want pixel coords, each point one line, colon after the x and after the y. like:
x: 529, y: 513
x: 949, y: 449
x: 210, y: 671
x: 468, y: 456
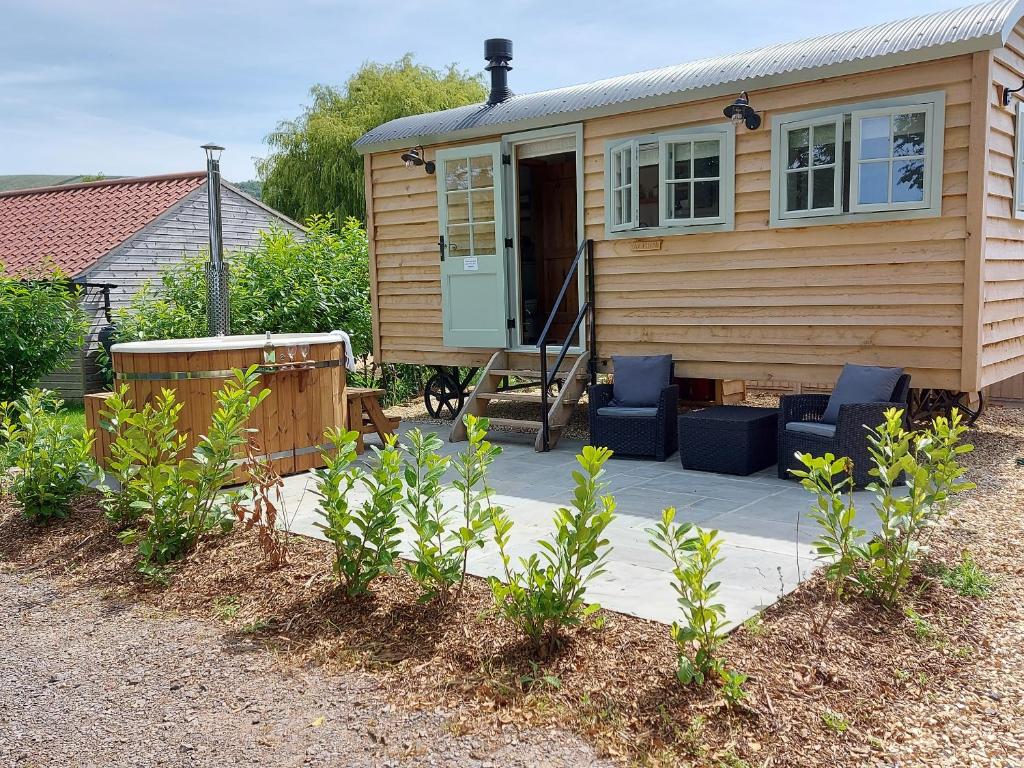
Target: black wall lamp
x: 1008, y: 91
x: 740, y: 111
x: 413, y: 157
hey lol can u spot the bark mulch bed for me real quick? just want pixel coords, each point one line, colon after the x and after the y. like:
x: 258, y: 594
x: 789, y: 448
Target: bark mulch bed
x: 936, y: 685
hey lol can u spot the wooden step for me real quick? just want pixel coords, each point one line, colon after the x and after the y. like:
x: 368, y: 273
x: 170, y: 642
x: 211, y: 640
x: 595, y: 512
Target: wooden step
x: 519, y: 397
x: 522, y: 373
x: 533, y: 426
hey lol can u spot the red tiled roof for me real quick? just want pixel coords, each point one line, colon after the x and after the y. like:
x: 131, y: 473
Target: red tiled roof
x: 73, y: 226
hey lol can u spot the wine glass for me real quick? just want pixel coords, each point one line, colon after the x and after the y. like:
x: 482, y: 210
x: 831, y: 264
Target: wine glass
x: 291, y: 353
x: 304, y: 351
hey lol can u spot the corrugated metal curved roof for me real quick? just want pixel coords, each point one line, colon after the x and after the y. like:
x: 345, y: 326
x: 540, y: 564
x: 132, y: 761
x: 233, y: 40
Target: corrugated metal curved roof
x: 933, y: 36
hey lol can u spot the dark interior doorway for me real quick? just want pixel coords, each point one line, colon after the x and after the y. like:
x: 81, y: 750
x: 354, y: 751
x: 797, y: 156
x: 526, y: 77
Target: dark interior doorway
x: 547, y: 243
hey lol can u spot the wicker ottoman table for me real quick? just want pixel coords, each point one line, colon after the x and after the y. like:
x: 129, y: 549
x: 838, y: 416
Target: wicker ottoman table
x: 732, y: 439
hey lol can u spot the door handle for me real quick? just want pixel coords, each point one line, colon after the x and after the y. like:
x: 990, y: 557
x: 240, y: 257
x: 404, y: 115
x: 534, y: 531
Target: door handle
x: 440, y: 246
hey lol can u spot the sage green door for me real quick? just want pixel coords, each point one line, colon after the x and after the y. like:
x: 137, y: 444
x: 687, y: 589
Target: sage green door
x: 473, y: 299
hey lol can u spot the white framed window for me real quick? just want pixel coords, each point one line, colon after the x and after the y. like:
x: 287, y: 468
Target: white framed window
x: 623, y: 200
x: 683, y: 182
x: 812, y: 176
x: 873, y: 161
x: 1018, y: 163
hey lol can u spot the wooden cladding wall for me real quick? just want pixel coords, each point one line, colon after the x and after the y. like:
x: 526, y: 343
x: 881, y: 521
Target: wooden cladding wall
x: 756, y: 303
x: 1002, y: 333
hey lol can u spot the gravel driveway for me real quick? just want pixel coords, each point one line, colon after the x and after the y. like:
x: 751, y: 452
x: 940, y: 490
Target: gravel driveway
x: 86, y: 681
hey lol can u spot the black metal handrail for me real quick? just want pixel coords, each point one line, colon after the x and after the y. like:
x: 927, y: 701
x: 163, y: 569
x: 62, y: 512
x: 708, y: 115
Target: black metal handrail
x: 587, y: 310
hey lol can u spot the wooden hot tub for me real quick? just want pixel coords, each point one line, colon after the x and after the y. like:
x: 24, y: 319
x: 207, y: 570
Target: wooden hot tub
x: 307, y: 397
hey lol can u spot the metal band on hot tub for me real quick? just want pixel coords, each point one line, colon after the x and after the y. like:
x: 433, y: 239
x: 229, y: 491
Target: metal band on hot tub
x: 184, y: 375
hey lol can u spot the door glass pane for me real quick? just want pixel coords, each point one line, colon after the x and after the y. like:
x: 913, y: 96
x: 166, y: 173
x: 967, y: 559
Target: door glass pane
x: 873, y: 183
x: 482, y: 171
x: 824, y: 145
x: 456, y: 174
x: 681, y: 201
x: 483, y: 239
x: 705, y: 199
x: 908, y: 181
x: 796, y: 191
x: 824, y: 180
x: 705, y: 159
x: 483, y: 204
x: 458, y: 207
x: 798, y: 148
x: 874, y: 137
x: 457, y: 240
x: 679, y: 165
x: 908, y: 134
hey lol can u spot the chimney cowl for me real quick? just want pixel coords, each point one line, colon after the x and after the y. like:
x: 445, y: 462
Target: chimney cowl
x: 498, y: 52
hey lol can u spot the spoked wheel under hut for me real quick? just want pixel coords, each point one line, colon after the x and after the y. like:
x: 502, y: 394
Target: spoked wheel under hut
x: 445, y: 392
x: 926, y: 404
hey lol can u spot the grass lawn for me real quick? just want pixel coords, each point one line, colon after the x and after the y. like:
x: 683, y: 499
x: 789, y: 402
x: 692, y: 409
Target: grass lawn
x: 74, y: 414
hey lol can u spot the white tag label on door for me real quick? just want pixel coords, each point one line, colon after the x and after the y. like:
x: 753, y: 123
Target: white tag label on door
x: 471, y: 264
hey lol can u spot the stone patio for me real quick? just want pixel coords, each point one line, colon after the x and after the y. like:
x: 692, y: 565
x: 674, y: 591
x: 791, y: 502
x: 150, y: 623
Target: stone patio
x: 765, y: 556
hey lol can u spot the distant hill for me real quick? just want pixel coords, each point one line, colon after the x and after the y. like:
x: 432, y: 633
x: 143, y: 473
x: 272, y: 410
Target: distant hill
x: 34, y: 180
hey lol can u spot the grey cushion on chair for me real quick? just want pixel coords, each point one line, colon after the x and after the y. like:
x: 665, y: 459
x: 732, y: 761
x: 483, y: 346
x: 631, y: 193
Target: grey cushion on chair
x: 645, y: 413
x: 861, y: 384
x: 639, y: 380
x: 812, y: 428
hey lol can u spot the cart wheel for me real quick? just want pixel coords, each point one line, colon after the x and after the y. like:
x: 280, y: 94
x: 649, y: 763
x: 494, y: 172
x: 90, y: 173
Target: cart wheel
x: 443, y: 396
x: 963, y: 404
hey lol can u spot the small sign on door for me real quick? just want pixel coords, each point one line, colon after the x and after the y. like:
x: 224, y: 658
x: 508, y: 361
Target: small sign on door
x: 471, y: 264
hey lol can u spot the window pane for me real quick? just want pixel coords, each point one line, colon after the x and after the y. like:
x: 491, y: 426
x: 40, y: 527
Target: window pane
x: 458, y: 207
x: 874, y: 137
x: 681, y: 201
x: 617, y: 207
x: 483, y: 239
x: 457, y: 240
x: 796, y: 191
x: 616, y: 165
x: 798, y: 148
x: 627, y: 166
x: 824, y: 145
x: 456, y: 174
x: 705, y: 159
x: 908, y: 182
x: 874, y: 183
x: 824, y: 180
x: 705, y: 199
x: 679, y: 161
x: 483, y: 204
x: 908, y: 134
x: 483, y: 172
x: 647, y: 179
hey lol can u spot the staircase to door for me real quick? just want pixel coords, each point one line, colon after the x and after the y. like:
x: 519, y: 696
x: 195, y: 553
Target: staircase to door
x: 552, y: 380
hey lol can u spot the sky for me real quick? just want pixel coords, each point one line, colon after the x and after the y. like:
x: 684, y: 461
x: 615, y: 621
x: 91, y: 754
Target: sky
x: 134, y: 87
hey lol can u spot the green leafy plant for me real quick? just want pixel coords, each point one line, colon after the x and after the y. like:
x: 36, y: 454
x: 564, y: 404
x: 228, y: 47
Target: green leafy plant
x: 46, y: 460
x: 440, y: 548
x: 174, y: 499
x: 732, y: 688
x: 536, y: 677
x: 42, y: 324
x: 365, y: 537
x: 839, y: 541
x: 929, y: 462
x: 547, y: 592
x: 834, y: 721
x: 694, y: 553
x: 968, y: 578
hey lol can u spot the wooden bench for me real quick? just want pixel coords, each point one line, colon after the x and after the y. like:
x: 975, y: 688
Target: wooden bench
x: 365, y: 415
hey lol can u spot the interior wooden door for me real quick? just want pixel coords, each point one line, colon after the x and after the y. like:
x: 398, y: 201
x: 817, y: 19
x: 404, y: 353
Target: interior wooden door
x: 555, y: 210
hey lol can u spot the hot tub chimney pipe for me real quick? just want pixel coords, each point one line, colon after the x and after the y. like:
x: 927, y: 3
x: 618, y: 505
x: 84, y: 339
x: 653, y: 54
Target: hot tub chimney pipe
x: 217, y: 307
x: 498, y: 52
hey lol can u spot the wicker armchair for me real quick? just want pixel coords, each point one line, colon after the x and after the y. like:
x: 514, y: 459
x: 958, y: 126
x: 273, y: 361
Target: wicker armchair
x: 629, y: 433
x: 847, y: 438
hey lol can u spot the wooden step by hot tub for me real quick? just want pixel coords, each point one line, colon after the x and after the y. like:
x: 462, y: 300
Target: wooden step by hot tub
x: 307, y: 396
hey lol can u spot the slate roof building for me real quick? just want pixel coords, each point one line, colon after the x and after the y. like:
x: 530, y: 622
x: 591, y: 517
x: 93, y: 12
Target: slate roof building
x: 120, y: 233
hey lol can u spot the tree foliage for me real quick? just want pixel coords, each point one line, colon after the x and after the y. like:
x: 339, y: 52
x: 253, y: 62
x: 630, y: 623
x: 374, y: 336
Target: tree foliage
x: 42, y: 323
x: 313, y: 168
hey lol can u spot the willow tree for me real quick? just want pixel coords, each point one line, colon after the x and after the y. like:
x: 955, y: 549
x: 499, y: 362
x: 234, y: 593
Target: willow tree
x: 313, y: 168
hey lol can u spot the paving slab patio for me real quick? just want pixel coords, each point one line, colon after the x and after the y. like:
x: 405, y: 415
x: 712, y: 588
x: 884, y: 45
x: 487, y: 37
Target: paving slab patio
x: 763, y: 521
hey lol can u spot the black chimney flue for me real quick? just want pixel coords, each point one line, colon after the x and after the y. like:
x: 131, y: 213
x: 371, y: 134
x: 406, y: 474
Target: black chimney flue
x: 498, y: 52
